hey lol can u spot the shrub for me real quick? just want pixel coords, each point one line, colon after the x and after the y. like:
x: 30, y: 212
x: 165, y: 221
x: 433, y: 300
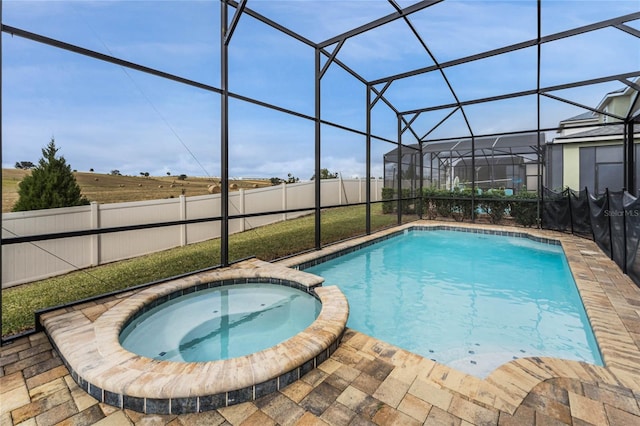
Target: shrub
x: 388, y: 206
x: 495, y: 204
x: 461, y: 207
x: 429, y: 203
x: 524, y: 208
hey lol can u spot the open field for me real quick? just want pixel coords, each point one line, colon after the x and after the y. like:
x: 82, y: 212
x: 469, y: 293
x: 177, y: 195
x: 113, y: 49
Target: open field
x: 105, y: 189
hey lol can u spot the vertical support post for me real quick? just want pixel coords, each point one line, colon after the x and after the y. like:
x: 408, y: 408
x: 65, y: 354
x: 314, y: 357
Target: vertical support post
x: 224, y: 137
x: 629, y: 158
x: 318, y: 235
x: 183, y: 216
x: 368, y: 165
x: 95, y: 239
x: 539, y: 177
x: 399, y: 171
x: 473, y: 179
x: 421, y: 185
x: 1, y: 142
x: 340, y: 189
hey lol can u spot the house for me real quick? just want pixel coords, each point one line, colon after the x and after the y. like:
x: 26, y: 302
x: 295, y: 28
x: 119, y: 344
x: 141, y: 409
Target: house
x: 589, y: 150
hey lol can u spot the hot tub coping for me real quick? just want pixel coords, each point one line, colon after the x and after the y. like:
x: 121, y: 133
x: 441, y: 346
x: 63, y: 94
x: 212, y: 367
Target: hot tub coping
x: 101, y: 366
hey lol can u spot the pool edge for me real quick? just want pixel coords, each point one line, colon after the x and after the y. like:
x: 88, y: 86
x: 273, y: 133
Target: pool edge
x: 588, y: 288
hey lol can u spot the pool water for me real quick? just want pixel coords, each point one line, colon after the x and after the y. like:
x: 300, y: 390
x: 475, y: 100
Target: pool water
x: 221, y: 323
x: 468, y: 300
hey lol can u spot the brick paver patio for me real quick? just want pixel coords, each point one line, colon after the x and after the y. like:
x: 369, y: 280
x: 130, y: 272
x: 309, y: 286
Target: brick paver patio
x: 367, y: 381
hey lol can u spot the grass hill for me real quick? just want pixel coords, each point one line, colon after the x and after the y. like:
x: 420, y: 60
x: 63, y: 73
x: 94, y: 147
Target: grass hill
x: 104, y: 188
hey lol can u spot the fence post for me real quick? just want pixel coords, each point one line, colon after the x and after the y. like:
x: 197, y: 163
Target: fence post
x: 606, y: 192
x: 284, y: 200
x: 241, y: 208
x: 593, y: 233
x: 95, y: 239
x: 624, y: 235
x: 183, y: 216
x: 359, y: 190
x: 570, y: 209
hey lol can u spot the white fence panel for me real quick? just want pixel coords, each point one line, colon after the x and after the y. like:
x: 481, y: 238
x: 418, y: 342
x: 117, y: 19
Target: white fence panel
x: 300, y: 196
x: 28, y: 262
x: 124, y: 245
x: 41, y: 259
x: 199, y: 207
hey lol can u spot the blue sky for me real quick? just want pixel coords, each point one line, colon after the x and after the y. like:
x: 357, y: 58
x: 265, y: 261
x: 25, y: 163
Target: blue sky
x: 106, y: 117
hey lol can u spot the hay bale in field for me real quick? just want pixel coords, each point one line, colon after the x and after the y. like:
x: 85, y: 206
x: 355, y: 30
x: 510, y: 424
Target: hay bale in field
x: 214, y: 189
x: 160, y: 186
x: 233, y: 186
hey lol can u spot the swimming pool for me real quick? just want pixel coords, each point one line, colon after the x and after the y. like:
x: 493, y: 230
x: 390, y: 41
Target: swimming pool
x: 472, y: 301
x: 220, y: 323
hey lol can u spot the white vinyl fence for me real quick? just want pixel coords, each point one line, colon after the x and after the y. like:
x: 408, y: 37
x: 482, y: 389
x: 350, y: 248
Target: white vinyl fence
x: 26, y: 262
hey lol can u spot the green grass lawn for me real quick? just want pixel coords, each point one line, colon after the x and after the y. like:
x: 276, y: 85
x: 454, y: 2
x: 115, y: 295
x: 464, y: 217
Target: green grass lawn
x: 267, y: 243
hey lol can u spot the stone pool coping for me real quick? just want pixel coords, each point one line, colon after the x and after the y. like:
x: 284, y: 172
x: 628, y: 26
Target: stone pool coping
x: 90, y: 348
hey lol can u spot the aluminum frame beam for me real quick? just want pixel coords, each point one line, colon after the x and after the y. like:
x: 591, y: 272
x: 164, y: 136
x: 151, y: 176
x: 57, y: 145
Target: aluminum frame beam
x: 529, y: 92
x: 513, y: 47
x: 379, y: 22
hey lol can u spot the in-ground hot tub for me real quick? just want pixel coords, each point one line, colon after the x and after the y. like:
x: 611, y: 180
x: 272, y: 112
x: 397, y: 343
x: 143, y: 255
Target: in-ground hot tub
x: 221, y: 322
x: 92, y: 351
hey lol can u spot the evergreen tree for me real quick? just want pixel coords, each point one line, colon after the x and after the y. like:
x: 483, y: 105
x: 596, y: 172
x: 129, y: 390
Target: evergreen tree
x: 50, y: 185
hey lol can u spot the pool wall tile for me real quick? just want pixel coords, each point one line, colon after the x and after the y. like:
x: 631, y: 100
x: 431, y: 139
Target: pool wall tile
x: 158, y: 406
x: 184, y: 405
x: 212, y: 402
x: 288, y: 378
x: 84, y: 385
x: 307, y: 367
x: 239, y: 396
x: 133, y: 403
x: 96, y: 392
x: 266, y: 388
x: 112, y: 398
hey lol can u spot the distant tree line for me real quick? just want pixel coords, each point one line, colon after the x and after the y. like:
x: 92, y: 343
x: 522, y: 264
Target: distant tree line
x: 24, y: 165
x: 324, y: 174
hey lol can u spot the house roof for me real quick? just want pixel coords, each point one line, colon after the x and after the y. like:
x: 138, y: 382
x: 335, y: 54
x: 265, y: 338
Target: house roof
x: 589, y: 115
x: 611, y: 130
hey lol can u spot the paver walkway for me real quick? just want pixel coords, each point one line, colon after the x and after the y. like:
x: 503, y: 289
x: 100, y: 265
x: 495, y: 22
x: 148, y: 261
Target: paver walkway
x: 367, y: 381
